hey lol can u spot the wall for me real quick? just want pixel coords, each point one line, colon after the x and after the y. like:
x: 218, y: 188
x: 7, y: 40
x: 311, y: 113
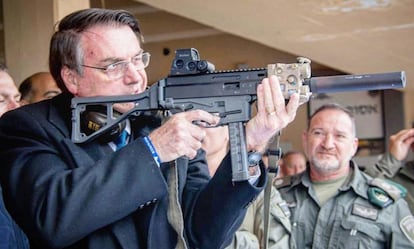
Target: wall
x: 28, y: 26
x: 409, y: 104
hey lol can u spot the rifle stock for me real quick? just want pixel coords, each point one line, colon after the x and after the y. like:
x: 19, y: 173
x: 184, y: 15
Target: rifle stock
x: 193, y: 84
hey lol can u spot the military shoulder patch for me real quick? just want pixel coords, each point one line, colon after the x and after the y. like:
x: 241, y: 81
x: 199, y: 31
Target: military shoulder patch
x: 379, y: 197
x: 407, y: 226
x: 393, y: 189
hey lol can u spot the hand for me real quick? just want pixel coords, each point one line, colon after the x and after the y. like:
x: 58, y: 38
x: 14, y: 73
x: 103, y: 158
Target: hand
x: 272, y: 114
x: 179, y: 136
x: 400, y: 143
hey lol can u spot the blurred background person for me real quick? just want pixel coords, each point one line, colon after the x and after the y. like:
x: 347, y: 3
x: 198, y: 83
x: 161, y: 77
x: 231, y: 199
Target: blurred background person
x: 393, y: 164
x: 11, y: 236
x: 291, y: 163
x: 216, y: 145
x: 37, y: 87
x: 9, y: 95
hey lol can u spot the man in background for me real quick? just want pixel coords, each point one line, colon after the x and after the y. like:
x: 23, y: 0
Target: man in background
x: 11, y: 236
x: 292, y: 163
x: 9, y: 95
x: 393, y: 164
x: 335, y: 205
x: 37, y: 87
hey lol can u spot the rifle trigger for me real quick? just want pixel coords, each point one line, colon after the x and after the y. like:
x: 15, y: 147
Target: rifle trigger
x: 225, y: 114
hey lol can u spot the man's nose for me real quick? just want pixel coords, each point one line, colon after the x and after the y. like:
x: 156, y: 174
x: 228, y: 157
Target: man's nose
x: 328, y: 141
x: 13, y: 104
x: 132, y: 74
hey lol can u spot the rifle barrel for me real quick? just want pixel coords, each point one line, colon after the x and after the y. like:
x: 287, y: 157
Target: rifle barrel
x: 362, y: 82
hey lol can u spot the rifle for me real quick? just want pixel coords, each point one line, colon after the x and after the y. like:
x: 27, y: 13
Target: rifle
x: 193, y: 84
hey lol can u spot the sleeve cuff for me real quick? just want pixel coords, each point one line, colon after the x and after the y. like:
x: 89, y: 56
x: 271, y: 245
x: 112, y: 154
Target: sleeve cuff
x: 255, y: 173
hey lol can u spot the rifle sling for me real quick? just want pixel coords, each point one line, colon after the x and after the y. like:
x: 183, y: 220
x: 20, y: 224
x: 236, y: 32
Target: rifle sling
x: 274, y: 152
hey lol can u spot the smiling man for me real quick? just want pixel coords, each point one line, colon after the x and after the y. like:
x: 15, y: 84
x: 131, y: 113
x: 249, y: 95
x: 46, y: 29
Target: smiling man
x: 335, y: 205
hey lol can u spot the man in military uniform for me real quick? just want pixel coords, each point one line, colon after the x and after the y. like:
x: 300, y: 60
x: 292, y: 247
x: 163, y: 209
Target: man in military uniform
x: 391, y: 165
x: 251, y: 232
x: 335, y: 205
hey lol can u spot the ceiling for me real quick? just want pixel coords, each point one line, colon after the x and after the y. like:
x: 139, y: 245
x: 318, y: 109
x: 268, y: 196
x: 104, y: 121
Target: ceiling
x: 352, y: 36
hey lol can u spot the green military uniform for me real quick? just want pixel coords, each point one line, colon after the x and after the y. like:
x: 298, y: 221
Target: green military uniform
x: 245, y: 237
x: 244, y: 240
x: 250, y: 234
x: 279, y: 222
x: 391, y: 168
x: 350, y: 219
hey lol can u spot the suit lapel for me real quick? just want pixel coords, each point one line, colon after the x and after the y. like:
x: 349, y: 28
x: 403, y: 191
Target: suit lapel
x: 60, y: 107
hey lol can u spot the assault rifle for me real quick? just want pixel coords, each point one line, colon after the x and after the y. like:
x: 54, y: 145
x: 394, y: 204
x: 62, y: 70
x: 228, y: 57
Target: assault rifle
x: 193, y: 84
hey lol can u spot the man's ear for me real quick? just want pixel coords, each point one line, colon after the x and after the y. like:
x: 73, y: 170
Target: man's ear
x: 70, y: 80
x: 355, y: 146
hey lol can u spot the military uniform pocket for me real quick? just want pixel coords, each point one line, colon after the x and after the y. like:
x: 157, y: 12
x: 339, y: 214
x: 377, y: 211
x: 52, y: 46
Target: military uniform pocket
x: 358, y: 234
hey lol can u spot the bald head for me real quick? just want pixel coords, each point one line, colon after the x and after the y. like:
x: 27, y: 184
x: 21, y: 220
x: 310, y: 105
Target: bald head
x: 37, y: 87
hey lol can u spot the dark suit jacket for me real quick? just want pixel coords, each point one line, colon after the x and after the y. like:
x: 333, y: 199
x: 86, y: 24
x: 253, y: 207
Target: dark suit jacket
x: 11, y: 236
x: 67, y: 195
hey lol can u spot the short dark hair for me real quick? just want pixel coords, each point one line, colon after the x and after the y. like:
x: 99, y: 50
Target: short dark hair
x: 3, y: 68
x: 65, y: 49
x: 334, y: 106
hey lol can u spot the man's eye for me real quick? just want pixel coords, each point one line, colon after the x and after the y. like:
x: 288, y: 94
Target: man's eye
x: 316, y: 133
x: 341, y: 136
x: 115, y: 66
x: 137, y: 59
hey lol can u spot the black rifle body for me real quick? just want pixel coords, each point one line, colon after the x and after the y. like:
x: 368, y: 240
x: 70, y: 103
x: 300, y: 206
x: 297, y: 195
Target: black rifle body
x: 228, y: 94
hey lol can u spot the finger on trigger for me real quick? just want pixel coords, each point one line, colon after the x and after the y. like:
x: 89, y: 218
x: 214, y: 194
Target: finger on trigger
x: 203, y: 118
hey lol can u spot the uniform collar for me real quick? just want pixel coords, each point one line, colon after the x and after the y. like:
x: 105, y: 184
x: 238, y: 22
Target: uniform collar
x: 357, y: 180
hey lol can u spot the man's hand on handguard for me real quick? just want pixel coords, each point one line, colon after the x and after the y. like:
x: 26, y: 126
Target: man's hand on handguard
x: 272, y: 114
x: 180, y: 135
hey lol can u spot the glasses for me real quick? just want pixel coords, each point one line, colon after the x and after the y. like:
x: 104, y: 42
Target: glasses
x: 118, y: 69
